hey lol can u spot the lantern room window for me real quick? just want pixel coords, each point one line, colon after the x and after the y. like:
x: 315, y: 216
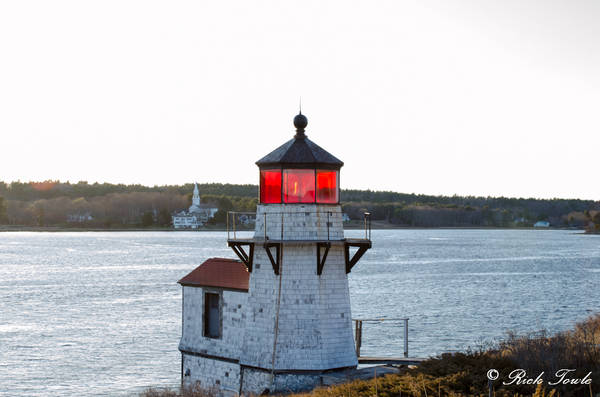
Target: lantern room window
x: 327, y: 187
x: 299, y: 186
x: 270, y: 186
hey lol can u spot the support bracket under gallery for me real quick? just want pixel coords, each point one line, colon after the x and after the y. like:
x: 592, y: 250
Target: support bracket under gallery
x: 238, y: 248
x: 275, y: 259
x: 362, y: 245
x: 321, y: 257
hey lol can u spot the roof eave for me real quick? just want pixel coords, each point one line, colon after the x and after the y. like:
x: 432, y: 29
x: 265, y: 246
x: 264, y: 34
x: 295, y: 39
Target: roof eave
x: 327, y: 166
x: 197, y: 285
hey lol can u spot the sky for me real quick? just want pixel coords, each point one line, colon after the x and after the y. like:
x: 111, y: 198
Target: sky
x: 487, y: 98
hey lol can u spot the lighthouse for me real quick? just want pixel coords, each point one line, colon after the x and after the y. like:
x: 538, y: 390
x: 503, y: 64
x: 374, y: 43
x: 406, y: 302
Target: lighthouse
x: 279, y: 318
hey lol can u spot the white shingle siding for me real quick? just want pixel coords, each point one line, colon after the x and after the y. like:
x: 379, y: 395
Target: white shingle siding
x: 232, y: 309
x: 312, y: 332
x: 300, y: 221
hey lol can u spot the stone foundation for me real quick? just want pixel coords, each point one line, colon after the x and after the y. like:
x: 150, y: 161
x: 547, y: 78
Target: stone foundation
x: 256, y: 381
x: 211, y: 374
x: 228, y: 378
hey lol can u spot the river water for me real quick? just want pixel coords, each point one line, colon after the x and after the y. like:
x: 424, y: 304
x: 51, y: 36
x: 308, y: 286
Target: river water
x: 99, y: 313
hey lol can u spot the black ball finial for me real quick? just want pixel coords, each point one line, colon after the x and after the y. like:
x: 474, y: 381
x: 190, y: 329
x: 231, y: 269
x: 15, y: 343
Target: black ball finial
x: 300, y: 122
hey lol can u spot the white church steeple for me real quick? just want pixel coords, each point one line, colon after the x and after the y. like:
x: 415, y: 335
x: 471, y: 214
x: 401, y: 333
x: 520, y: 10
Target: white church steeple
x: 196, y: 196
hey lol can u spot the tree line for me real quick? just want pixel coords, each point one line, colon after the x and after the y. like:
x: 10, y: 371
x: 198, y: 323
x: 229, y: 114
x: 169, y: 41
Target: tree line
x: 28, y: 191
x: 55, y: 203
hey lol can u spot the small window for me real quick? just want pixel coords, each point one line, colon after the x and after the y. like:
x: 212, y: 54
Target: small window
x: 212, y: 315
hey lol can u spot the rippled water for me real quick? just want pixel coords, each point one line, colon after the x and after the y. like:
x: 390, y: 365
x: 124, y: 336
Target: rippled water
x: 100, y: 313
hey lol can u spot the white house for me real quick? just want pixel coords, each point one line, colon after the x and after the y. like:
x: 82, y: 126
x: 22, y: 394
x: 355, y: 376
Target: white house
x: 197, y: 215
x: 541, y: 224
x: 279, y: 319
x: 80, y: 217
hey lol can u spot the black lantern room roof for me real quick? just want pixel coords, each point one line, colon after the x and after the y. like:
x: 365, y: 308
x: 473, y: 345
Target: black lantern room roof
x: 300, y: 152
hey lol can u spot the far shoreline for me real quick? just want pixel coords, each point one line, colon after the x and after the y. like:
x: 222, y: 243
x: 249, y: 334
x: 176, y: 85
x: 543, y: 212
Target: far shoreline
x: 379, y: 226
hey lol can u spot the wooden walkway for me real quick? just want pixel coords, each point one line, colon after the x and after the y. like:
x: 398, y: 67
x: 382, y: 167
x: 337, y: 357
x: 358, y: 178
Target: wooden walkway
x: 390, y: 360
x: 336, y: 378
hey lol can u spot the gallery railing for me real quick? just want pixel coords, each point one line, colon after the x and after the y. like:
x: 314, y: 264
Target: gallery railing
x: 284, y: 225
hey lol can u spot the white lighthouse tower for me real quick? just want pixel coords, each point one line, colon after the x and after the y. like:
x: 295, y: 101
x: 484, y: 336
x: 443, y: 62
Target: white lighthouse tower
x: 292, y: 319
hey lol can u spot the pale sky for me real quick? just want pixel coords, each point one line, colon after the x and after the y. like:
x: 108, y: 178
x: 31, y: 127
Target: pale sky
x: 439, y: 97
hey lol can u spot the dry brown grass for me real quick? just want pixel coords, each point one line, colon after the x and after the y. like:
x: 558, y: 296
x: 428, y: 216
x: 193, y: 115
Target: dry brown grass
x: 577, y: 349
x: 464, y: 374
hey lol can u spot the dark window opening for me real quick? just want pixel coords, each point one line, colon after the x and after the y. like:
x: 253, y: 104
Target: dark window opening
x: 212, y: 316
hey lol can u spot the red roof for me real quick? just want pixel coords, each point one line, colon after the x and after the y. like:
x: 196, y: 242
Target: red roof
x: 219, y: 272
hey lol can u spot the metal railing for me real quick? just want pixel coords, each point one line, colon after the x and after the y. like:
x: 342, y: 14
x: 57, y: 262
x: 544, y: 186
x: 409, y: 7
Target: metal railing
x: 358, y: 328
x: 239, y: 221
x: 245, y: 221
x: 367, y: 220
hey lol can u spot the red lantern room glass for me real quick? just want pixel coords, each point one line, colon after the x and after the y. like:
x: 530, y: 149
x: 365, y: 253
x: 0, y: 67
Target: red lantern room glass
x: 270, y: 186
x: 299, y: 186
x: 327, y: 187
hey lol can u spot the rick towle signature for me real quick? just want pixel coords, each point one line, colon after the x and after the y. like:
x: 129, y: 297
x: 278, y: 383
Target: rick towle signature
x: 561, y: 377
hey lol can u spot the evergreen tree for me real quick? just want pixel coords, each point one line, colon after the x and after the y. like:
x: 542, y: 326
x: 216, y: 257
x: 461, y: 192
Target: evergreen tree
x: 147, y: 219
x: 3, y: 215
